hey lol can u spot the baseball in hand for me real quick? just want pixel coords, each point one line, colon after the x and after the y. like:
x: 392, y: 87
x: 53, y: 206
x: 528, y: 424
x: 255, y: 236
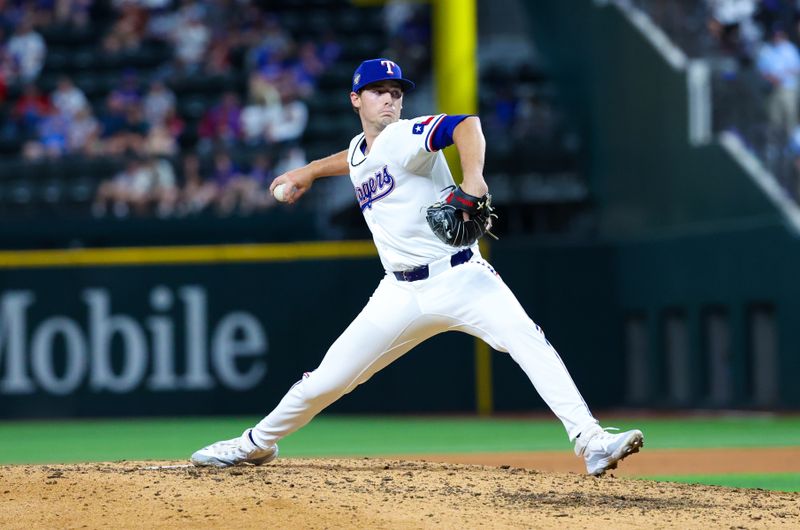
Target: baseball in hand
x: 281, y: 192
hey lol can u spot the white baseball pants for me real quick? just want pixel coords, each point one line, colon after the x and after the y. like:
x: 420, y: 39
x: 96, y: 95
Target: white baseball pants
x: 400, y: 315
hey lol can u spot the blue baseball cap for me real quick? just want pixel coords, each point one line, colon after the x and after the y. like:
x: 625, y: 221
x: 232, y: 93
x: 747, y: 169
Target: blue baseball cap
x: 381, y: 69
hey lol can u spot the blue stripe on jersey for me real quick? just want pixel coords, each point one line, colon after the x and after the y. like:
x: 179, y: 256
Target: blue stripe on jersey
x: 441, y: 134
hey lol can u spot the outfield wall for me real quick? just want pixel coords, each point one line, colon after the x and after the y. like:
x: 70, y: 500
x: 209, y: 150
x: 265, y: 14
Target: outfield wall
x: 216, y: 337
x: 655, y: 324
x: 231, y: 336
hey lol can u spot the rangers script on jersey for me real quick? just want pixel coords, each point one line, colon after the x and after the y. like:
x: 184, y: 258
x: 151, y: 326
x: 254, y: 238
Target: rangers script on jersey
x: 394, y: 184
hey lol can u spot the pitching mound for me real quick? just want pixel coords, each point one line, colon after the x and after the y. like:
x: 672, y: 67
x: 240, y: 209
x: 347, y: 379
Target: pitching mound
x: 367, y: 493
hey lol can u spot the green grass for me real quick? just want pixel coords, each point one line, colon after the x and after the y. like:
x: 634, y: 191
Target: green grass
x: 97, y: 440
x: 74, y: 441
x: 767, y: 481
x: 176, y: 438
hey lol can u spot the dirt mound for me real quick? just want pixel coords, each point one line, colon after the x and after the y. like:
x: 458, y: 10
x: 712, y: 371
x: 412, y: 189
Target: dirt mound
x: 368, y: 493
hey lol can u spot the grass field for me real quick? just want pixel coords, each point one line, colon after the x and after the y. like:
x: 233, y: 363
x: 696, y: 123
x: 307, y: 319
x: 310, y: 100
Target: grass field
x: 175, y: 438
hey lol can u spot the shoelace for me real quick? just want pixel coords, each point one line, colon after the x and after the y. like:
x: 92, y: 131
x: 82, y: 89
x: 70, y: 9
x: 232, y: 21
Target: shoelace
x: 606, y: 437
x: 604, y: 432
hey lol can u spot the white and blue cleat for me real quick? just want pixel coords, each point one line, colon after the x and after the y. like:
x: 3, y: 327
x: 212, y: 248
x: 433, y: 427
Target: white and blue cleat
x: 602, y: 450
x: 240, y: 450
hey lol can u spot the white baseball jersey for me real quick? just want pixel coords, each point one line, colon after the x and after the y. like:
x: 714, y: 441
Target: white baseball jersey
x: 395, y: 182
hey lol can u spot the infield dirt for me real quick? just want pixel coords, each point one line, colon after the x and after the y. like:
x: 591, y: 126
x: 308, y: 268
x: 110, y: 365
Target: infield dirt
x: 368, y: 493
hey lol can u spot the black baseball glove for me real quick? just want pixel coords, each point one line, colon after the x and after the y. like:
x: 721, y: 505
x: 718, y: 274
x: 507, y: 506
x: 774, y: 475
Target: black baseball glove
x: 446, y: 218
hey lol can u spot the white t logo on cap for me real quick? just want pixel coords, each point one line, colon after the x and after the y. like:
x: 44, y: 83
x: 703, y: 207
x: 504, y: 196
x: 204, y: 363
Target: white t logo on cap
x: 389, y: 65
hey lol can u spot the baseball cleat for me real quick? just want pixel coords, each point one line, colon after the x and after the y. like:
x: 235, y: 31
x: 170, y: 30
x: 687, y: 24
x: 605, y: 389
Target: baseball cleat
x: 602, y: 450
x: 241, y: 450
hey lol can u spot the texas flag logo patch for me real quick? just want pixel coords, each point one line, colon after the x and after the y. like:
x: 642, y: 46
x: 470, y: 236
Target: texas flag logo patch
x: 419, y: 127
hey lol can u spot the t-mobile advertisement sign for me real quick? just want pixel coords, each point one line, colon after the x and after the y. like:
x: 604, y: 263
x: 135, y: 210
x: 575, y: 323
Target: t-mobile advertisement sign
x: 103, y: 346
x: 221, y: 339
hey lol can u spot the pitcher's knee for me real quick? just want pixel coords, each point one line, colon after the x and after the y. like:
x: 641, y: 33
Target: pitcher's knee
x: 317, y: 389
x: 524, y: 337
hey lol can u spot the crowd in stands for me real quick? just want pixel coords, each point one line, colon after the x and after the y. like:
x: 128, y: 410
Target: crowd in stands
x: 762, y: 37
x: 269, y: 76
x: 201, y: 103
x: 753, y: 48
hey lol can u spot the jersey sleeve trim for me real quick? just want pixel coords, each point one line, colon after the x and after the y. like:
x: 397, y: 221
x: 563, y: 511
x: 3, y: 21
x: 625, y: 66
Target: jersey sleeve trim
x: 431, y: 132
x: 443, y: 135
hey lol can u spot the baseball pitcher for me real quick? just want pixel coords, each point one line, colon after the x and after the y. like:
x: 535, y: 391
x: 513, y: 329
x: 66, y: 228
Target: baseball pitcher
x: 425, y: 228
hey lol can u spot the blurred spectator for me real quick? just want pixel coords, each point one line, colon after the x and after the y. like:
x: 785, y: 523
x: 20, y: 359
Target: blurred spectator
x: 267, y: 78
x: 127, y: 189
x: 67, y: 98
x: 112, y: 124
x: 287, y: 122
x: 262, y: 91
x: 134, y: 131
x: 53, y: 132
x: 224, y: 174
x: 779, y: 64
x: 292, y: 159
x: 27, y: 50
x: 218, y: 60
x: 174, y: 124
x: 262, y: 175
x: 51, y: 139
x: 247, y: 192
x: 30, y: 109
x: 127, y: 89
x: 308, y: 68
x: 221, y: 124
x: 145, y: 185
x: 275, y: 42
x: 161, y: 25
x: 159, y: 141
x: 73, y: 12
x: 254, y: 122
x: 163, y: 194
x: 190, y: 38
x: 733, y: 26
x: 127, y: 32
x: 123, y: 128
x: 83, y: 133
x: 261, y: 171
x: 158, y: 103
x: 197, y: 193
